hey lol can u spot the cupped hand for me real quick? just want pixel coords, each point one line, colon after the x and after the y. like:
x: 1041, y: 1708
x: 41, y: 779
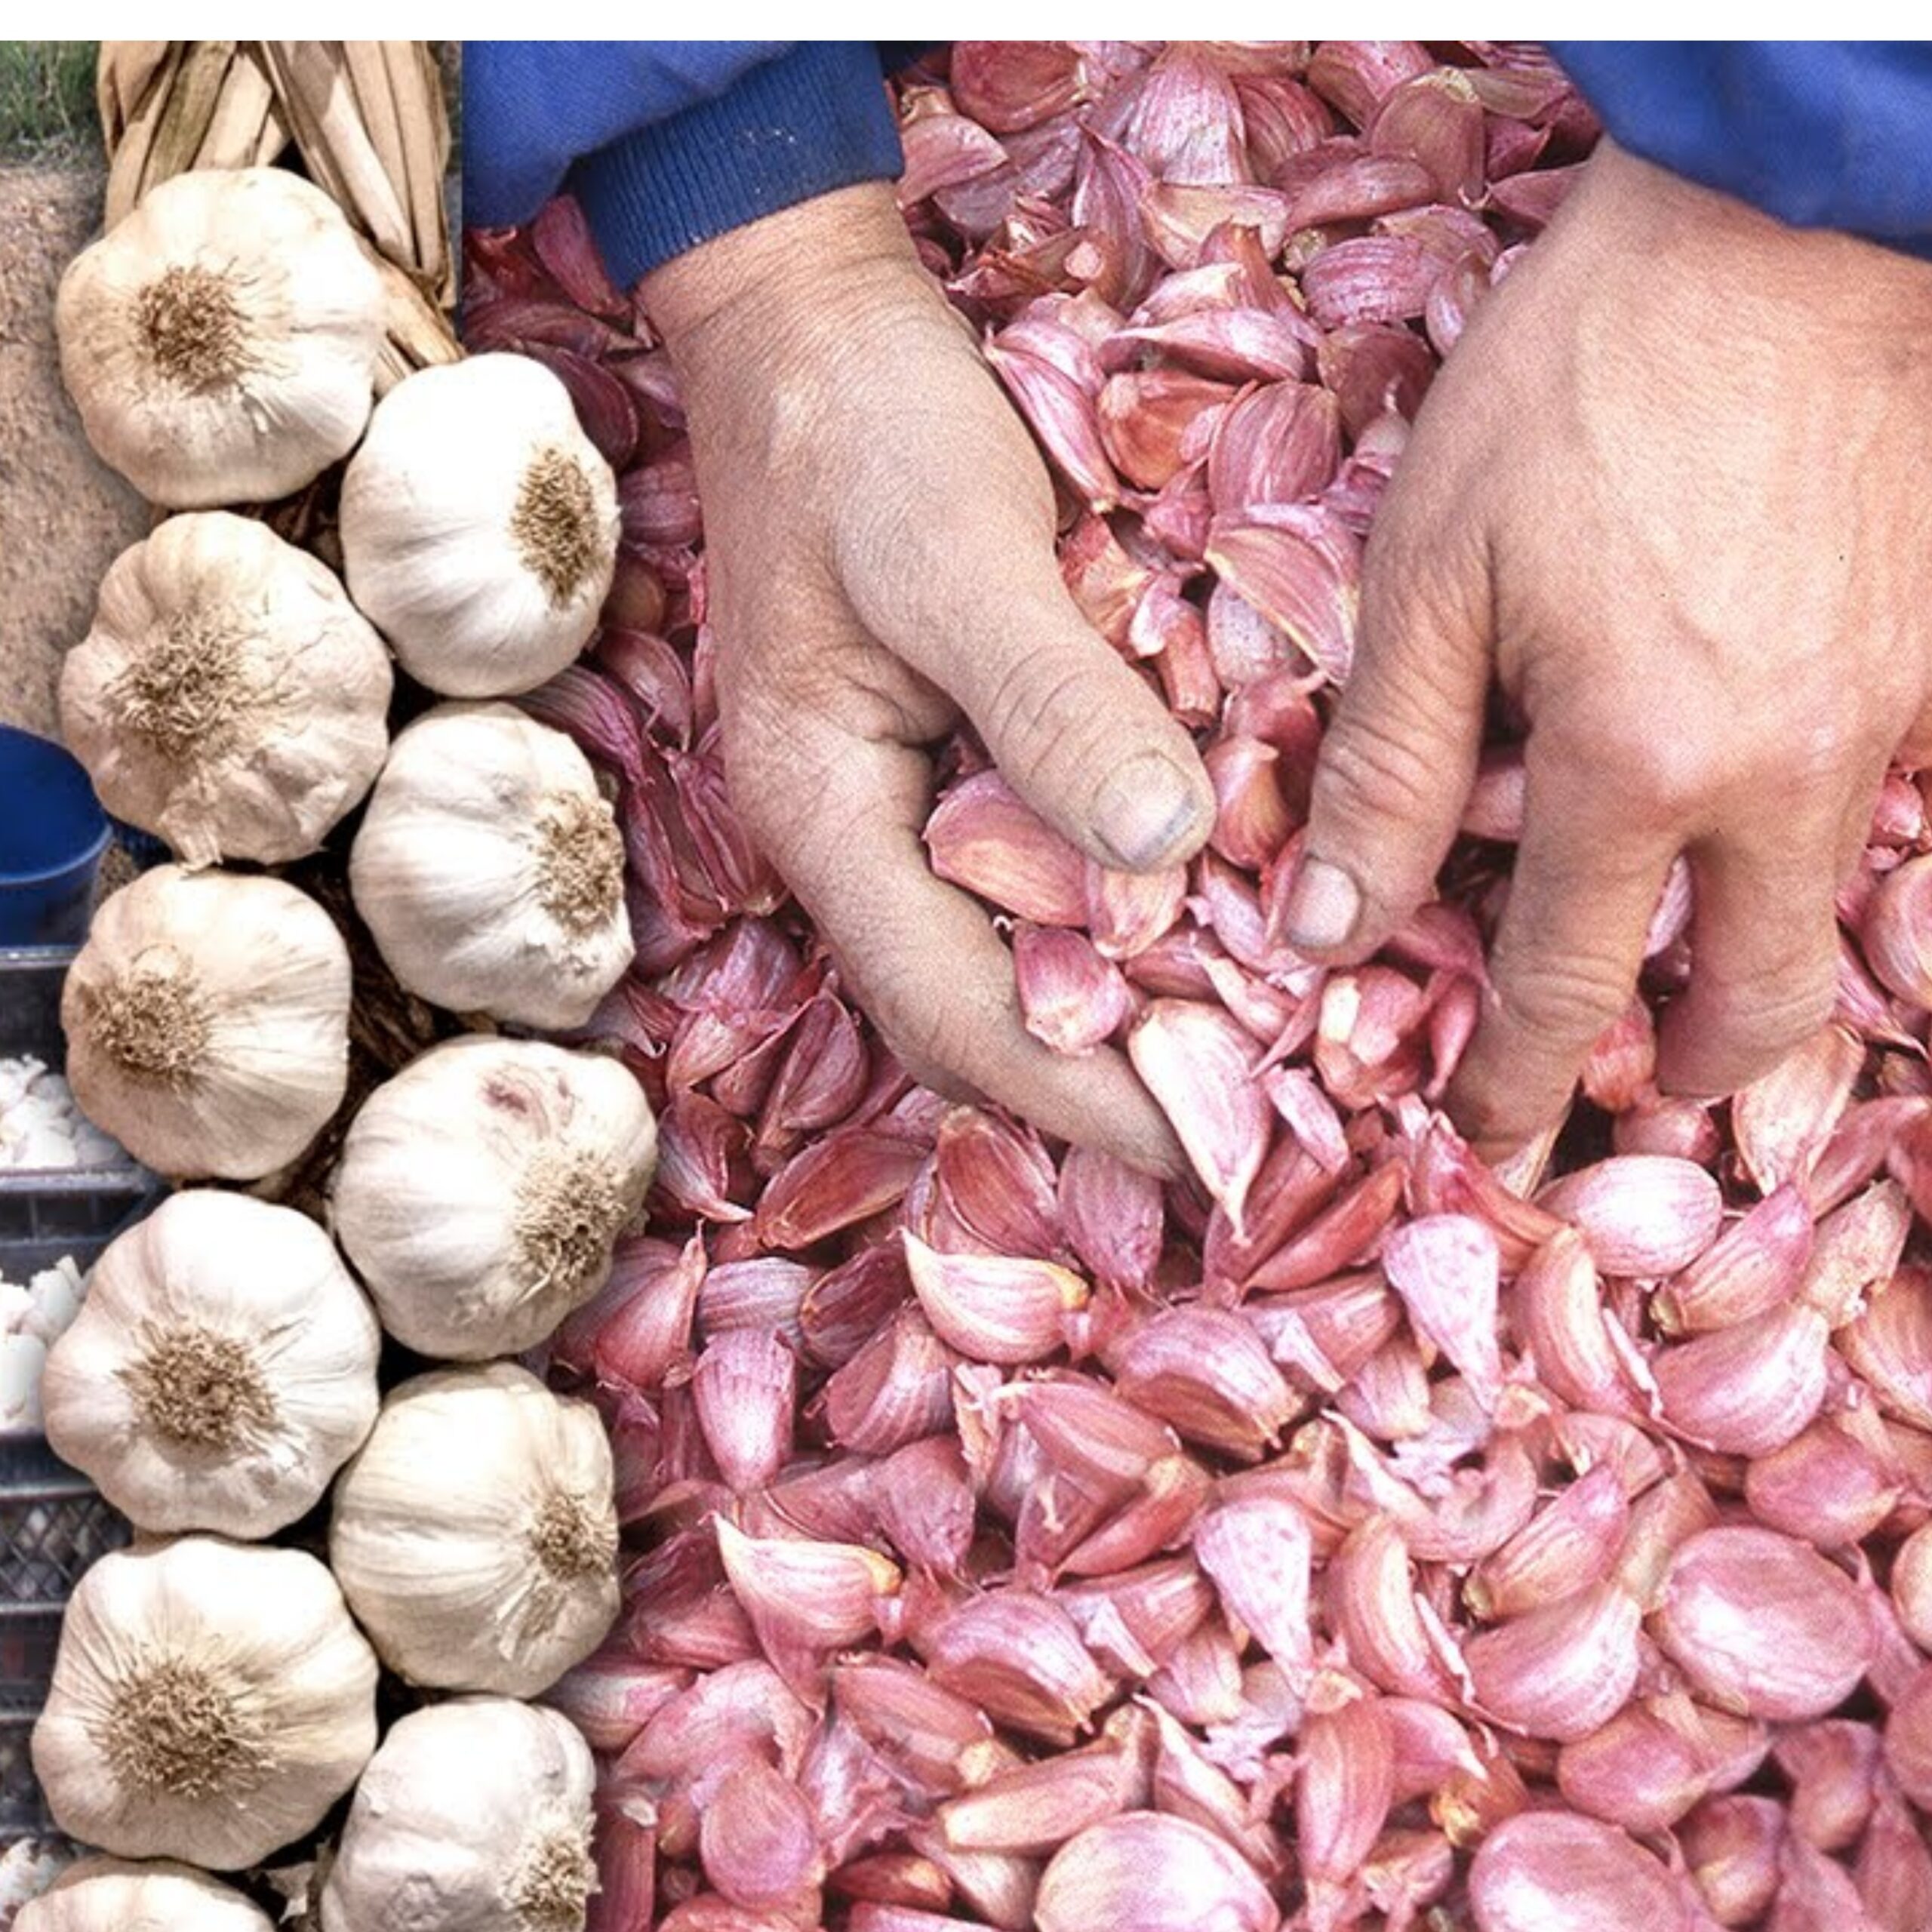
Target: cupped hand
x: 1669, y: 493
x: 879, y: 535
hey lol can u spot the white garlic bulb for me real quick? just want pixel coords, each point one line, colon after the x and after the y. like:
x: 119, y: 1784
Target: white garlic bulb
x: 476, y: 1534
x: 229, y: 698
x: 221, y: 1371
x: 475, y: 1816
x: 482, y: 1187
x: 209, y: 1702
x: 114, y: 1895
x: 220, y: 342
x: 479, y: 526
x: 489, y: 869
x: 206, y: 1020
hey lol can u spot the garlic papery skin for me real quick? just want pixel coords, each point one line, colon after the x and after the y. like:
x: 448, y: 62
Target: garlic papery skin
x: 482, y: 1191
x: 474, y: 1816
x: 489, y: 869
x: 220, y: 342
x: 229, y: 698
x: 114, y: 1895
x: 221, y: 1370
x: 476, y: 1535
x: 206, y: 1020
x: 479, y: 526
x: 210, y: 1700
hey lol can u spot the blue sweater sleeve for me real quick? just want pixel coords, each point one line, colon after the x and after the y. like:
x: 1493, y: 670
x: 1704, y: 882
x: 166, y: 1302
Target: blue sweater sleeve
x: 1821, y: 134
x: 668, y: 142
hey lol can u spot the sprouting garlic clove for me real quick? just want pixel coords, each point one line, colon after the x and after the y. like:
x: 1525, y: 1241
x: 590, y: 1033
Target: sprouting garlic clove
x: 114, y: 1895
x: 229, y: 698
x: 220, y: 342
x: 210, y: 1701
x: 206, y: 1020
x: 221, y: 1370
x: 490, y: 870
x: 494, y: 1798
x: 482, y: 1189
x: 479, y: 526
x: 474, y: 1534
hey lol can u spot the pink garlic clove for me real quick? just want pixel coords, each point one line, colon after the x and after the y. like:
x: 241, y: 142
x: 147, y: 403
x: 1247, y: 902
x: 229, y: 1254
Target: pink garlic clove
x: 852, y: 1174
x: 1893, y: 1870
x: 1911, y: 1585
x: 1205, y: 1372
x: 1731, y: 1846
x: 1834, y: 1768
x: 1762, y: 1624
x: 1562, y: 1671
x: 1303, y: 574
x: 1897, y: 931
x: 1546, y: 1872
x: 1569, y: 1545
x: 1071, y: 999
x: 1156, y: 1873
x: 981, y: 836
x: 1748, y: 1389
x: 994, y: 1308
x: 805, y: 1599
x: 1018, y: 1657
x: 1752, y: 1266
x: 745, y: 1385
x: 1909, y: 1739
x: 1641, y: 1215
x: 1446, y: 1268
x: 1656, y: 1759
x: 1783, y: 1120
x: 1833, y: 1485
x: 1258, y: 1550
x: 1889, y: 1345
x: 1199, y: 1064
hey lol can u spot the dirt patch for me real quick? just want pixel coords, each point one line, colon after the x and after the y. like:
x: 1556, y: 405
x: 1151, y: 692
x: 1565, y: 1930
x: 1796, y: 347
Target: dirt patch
x: 63, y: 515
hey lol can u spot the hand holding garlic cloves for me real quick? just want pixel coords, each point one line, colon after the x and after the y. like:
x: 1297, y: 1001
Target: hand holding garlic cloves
x: 1663, y: 494
x: 879, y: 537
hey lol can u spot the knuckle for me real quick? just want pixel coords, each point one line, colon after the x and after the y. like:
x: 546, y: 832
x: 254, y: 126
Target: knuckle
x: 1368, y: 773
x: 1559, y: 1002
x: 1042, y: 710
x: 1765, y: 1018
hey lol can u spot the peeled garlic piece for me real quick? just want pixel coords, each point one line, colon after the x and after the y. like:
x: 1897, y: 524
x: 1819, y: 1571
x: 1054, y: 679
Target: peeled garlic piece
x: 476, y: 1536
x: 479, y: 526
x: 489, y: 869
x: 208, y: 1022
x: 482, y: 1188
x: 477, y: 1811
x: 222, y: 1370
x: 210, y: 1701
x: 114, y: 1895
x: 229, y: 698
x: 220, y: 341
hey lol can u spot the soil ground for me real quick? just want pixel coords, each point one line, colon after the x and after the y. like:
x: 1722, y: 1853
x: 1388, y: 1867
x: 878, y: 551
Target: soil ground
x: 63, y: 516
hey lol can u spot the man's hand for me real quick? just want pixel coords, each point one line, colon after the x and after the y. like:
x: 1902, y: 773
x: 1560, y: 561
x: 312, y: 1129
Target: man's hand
x: 1670, y: 493
x: 879, y: 533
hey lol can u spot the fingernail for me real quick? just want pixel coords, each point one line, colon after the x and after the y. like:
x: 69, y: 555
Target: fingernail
x: 1145, y: 811
x: 1323, y: 908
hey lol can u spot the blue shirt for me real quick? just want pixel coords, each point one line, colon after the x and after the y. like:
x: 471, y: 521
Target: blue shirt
x: 668, y: 142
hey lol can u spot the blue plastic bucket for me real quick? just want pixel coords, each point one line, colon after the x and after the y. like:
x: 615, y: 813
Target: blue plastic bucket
x: 52, y: 834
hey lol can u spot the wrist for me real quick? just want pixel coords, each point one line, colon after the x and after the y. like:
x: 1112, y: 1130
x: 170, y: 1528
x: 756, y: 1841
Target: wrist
x: 800, y: 272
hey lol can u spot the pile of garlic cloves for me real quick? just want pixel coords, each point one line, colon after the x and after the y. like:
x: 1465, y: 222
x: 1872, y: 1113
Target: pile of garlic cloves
x: 295, y: 1378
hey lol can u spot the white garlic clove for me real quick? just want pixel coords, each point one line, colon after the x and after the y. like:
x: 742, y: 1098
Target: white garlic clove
x: 494, y: 1798
x: 490, y: 870
x: 476, y: 1534
x: 479, y: 526
x: 114, y: 1895
x: 229, y: 697
x: 482, y: 1190
x: 208, y: 1022
x: 220, y: 341
x: 209, y: 1702
x: 53, y: 1297
x: 223, y: 1370
x: 23, y: 1360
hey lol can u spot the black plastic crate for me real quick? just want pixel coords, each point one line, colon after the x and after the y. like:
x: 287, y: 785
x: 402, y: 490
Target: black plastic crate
x: 54, y: 1204
x: 53, y: 1524
x: 27, y: 1648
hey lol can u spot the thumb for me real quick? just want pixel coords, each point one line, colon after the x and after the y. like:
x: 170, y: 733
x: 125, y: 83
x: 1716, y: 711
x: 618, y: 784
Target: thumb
x: 1398, y: 761
x: 972, y: 599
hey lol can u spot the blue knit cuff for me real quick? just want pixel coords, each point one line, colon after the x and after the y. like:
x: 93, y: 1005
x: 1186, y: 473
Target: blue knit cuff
x: 812, y: 120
